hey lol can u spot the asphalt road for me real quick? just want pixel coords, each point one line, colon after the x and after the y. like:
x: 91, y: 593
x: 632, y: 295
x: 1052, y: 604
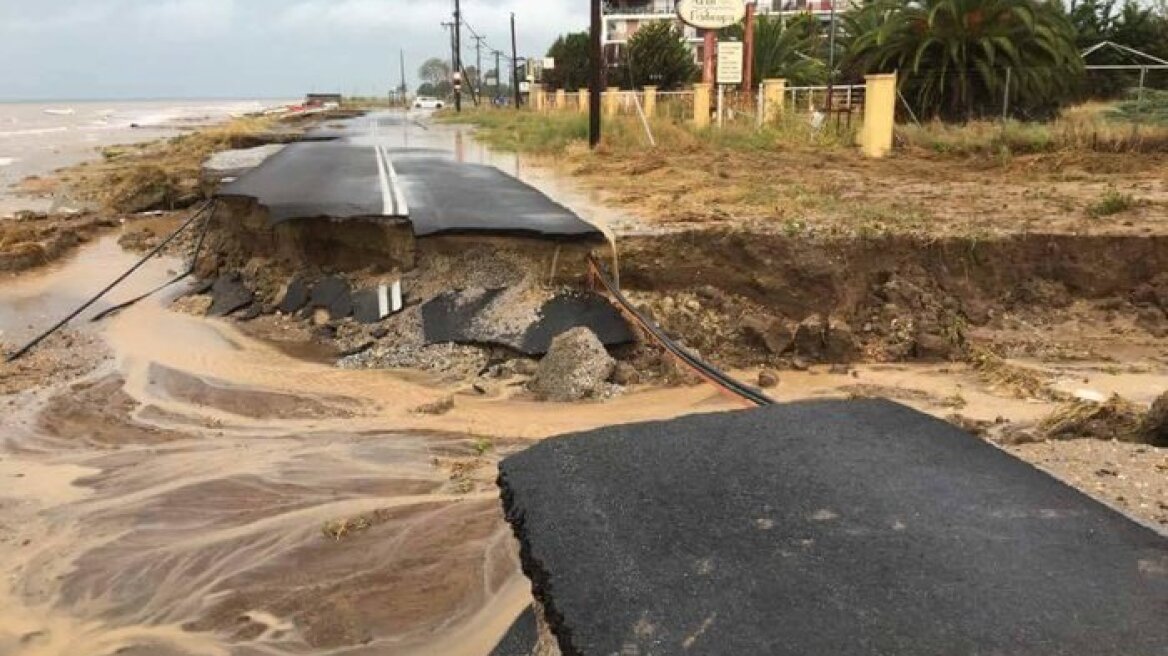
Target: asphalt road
x: 833, y: 527
x: 364, y: 168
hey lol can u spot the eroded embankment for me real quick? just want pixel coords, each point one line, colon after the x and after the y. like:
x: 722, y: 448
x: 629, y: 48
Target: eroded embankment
x: 890, y: 299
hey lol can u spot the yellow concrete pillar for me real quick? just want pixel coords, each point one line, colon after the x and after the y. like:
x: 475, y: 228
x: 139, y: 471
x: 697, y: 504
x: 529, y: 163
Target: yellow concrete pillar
x: 561, y: 99
x: 537, y: 101
x: 879, y: 114
x: 774, y: 94
x: 582, y: 101
x: 611, y: 101
x: 650, y: 102
x: 701, y: 117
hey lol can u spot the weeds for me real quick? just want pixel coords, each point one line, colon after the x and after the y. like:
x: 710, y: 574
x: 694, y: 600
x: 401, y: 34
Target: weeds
x: 1112, y: 202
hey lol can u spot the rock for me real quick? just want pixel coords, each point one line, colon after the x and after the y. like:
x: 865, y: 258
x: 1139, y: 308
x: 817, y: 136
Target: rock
x: 770, y: 332
x: 1152, y: 320
x: 439, y: 407
x: 1039, y: 293
x: 295, y: 297
x: 1154, y: 427
x: 228, y: 294
x: 840, y: 343
x: 379, y: 332
x: 768, y: 379
x: 575, y: 367
x: 625, y: 374
x: 359, y: 347
x: 1154, y: 292
x: 839, y: 370
x: 977, y: 312
x: 799, y: 364
x: 810, y: 337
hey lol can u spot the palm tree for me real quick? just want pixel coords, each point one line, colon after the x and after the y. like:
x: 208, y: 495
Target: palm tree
x: 956, y: 57
x: 787, y: 48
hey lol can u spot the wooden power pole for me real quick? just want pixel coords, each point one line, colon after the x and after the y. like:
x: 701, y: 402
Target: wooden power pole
x: 594, y: 88
x: 515, y: 64
x: 457, y: 56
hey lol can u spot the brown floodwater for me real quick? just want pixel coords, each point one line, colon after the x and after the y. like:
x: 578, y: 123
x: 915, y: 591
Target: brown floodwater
x: 204, y: 492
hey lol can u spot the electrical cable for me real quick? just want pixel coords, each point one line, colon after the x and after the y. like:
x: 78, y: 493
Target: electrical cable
x: 190, y: 269
x: 85, y: 306
x: 707, y: 371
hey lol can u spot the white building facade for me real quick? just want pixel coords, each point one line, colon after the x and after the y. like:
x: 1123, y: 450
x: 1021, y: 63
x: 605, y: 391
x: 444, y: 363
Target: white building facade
x: 622, y: 19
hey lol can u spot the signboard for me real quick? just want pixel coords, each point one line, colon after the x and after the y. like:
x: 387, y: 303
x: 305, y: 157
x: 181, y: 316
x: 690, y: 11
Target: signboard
x: 730, y: 56
x: 524, y: 87
x: 711, y: 14
x: 549, y: 63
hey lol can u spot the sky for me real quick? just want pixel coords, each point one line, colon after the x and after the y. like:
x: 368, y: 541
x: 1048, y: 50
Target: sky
x: 136, y: 49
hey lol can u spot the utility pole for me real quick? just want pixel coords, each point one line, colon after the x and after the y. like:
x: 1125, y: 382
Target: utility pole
x: 831, y: 61
x: 404, y: 89
x: 515, y: 64
x: 479, y: 63
x: 597, y: 79
x: 498, y: 76
x: 457, y: 55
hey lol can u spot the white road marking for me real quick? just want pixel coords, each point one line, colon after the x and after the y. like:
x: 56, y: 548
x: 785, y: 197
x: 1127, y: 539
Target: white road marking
x: 399, y: 198
x: 387, y: 207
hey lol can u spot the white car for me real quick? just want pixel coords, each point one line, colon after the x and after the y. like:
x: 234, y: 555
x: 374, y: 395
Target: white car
x: 426, y: 102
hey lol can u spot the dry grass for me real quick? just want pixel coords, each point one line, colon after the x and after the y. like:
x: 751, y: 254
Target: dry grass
x: 793, y: 180
x: 1114, y: 419
x: 162, y: 174
x: 1018, y: 381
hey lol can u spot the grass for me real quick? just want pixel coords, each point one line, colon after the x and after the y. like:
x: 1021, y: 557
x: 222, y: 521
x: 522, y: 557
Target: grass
x: 1092, y: 127
x: 1112, y: 202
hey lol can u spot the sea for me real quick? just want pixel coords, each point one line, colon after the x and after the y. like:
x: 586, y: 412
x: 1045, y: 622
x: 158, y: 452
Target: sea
x: 38, y: 137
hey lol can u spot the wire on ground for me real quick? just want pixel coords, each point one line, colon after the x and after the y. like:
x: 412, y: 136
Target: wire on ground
x: 85, y: 306
x: 704, y: 369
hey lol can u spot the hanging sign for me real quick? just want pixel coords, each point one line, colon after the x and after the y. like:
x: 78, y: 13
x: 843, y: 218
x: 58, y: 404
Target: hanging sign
x: 711, y: 14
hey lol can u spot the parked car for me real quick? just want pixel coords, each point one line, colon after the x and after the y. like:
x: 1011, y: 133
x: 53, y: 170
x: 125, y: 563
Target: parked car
x: 426, y: 102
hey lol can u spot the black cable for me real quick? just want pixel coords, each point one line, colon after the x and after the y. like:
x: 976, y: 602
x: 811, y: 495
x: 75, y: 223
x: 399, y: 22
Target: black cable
x: 190, y: 269
x: 73, y: 315
x: 709, y: 371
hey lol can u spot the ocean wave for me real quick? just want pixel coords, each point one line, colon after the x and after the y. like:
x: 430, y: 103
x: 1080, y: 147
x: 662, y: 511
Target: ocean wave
x: 31, y: 131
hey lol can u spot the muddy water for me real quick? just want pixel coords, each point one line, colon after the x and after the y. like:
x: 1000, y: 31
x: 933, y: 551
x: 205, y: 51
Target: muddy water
x: 207, y: 493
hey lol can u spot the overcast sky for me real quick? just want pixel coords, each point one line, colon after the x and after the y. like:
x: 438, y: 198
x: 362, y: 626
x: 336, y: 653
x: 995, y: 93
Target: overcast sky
x: 105, y: 49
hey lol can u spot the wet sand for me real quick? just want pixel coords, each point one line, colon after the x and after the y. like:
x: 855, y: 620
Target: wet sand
x: 178, y: 499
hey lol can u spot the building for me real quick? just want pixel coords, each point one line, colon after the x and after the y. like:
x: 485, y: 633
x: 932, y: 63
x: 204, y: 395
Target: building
x: 622, y: 19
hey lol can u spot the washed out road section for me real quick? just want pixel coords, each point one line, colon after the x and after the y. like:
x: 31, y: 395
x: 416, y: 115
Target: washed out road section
x: 827, y: 527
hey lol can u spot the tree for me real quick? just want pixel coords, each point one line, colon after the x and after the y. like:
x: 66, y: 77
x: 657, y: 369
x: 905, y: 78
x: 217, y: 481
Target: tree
x: 787, y: 48
x: 435, y: 71
x: 953, y: 55
x: 573, y: 56
x: 658, y: 55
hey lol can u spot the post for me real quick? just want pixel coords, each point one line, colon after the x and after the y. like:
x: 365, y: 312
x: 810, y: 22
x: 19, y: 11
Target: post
x: 404, y: 88
x: 1143, y: 79
x: 537, y: 97
x: 721, y: 105
x: 611, y: 101
x: 748, y: 36
x: 879, y: 115
x: 597, y: 78
x: 582, y: 100
x: 831, y: 62
x: 774, y: 94
x: 1006, y: 96
x: 561, y: 99
x: 650, y: 101
x: 457, y: 55
x: 515, y: 65
x: 498, y: 78
x: 701, y: 105
x: 708, y: 48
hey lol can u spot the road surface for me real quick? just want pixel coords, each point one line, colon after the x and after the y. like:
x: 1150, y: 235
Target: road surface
x: 366, y: 168
x: 830, y: 527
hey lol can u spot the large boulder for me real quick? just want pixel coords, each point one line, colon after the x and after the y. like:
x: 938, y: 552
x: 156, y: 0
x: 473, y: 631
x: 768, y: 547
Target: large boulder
x: 576, y: 367
x: 770, y: 332
x: 1154, y: 427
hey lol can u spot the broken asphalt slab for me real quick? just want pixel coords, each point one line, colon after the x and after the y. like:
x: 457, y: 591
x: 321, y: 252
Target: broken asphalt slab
x: 462, y: 318
x: 229, y: 294
x: 826, y: 527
